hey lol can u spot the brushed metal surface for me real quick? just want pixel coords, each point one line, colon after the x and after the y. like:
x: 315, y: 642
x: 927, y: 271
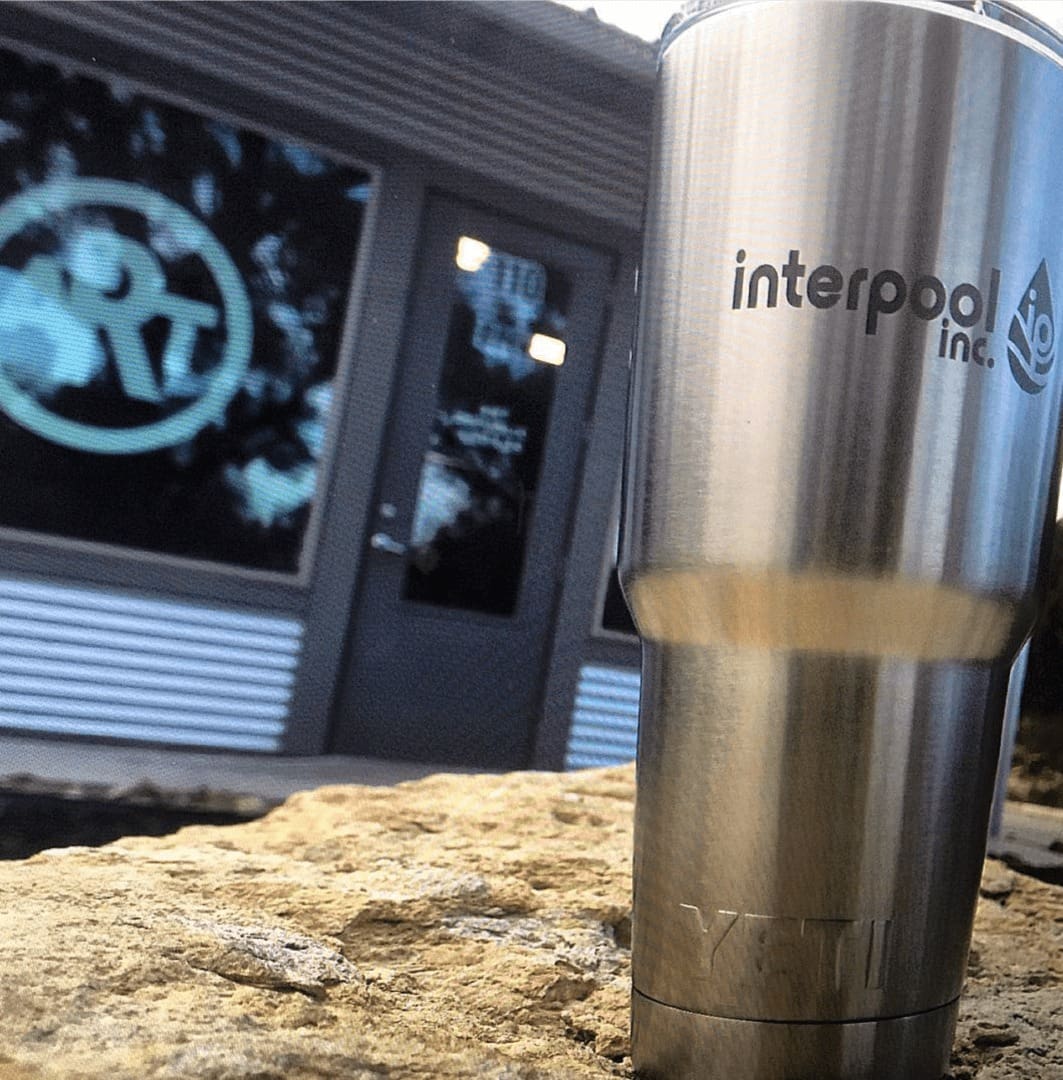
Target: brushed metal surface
x: 836, y: 509
x: 810, y: 830
x: 670, y: 1043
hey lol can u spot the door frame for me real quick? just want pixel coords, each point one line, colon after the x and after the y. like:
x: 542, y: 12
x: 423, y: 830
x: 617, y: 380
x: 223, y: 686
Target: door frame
x: 529, y: 628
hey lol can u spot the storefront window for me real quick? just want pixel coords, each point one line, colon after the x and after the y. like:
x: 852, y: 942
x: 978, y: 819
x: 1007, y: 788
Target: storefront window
x: 172, y: 295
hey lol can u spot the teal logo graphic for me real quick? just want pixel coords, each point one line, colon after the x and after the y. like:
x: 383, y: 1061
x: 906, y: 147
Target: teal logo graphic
x: 1032, y: 335
x: 91, y: 303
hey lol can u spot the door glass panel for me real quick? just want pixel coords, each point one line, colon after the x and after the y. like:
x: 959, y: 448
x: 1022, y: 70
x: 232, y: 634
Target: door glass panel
x: 505, y: 343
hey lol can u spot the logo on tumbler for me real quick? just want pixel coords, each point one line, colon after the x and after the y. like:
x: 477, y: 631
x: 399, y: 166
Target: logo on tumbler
x: 965, y: 312
x: 737, y: 947
x: 1032, y: 335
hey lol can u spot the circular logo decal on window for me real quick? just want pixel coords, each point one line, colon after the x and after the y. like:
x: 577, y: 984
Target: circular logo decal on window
x: 125, y: 326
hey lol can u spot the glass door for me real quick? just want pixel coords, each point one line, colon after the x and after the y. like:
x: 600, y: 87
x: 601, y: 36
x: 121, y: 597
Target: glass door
x: 459, y: 587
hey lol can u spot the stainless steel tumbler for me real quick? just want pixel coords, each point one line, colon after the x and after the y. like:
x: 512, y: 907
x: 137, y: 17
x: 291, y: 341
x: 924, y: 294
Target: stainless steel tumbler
x: 840, y: 483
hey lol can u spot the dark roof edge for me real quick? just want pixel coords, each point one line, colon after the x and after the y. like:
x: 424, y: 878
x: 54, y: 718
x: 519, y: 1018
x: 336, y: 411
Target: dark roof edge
x: 603, y: 45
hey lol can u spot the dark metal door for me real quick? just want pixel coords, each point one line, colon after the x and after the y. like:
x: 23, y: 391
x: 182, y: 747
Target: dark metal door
x: 459, y: 585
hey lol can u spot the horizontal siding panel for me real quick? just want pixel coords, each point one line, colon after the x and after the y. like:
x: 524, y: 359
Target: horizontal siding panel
x: 352, y: 64
x: 136, y: 624
x: 12, y: 667
x: 197, y: 614
x: 605, y: 712
x: 176, y: 736
x: 55, y: 631
x: 13, y: 685
x: 612, y: 677
x: 589, y: 761
x: 619, y: 750
x: 58, y: 706
x: 599, y: 725
x: 127, y: 661
x: 603, y: 702
x: 102, y: 664
x: 385, y: 73
x: 604, y: 129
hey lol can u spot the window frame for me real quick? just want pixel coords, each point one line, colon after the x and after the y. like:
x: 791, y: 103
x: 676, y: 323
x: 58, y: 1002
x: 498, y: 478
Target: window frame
x: 353, y: 304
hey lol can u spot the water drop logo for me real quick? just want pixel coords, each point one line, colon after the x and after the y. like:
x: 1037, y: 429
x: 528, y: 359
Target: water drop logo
x: 1032, y: 336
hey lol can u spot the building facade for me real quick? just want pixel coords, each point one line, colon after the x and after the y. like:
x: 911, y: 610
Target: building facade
x: 314, y: 338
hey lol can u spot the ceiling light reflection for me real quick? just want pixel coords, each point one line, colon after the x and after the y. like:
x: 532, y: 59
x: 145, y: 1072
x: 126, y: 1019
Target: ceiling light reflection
x: 471, y: 254
x: 546, y: 349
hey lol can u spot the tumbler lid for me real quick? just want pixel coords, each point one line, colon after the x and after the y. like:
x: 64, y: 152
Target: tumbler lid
x: 1005, y: 12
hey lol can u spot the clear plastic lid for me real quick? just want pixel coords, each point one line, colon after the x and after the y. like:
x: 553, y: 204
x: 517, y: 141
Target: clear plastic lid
x: 1003, y: 12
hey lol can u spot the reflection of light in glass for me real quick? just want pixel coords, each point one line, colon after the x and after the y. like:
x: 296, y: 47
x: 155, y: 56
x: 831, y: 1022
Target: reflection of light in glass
x: 471, y: 254
x: 546, y: 349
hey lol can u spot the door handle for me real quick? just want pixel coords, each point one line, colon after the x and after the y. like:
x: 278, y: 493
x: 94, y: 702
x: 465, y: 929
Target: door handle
x: 380, y: 541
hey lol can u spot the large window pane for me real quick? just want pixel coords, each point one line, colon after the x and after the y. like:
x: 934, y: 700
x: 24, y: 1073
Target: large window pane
x: 172, y: 294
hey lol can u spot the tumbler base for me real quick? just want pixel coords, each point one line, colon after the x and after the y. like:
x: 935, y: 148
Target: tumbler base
x: 673, y: 1044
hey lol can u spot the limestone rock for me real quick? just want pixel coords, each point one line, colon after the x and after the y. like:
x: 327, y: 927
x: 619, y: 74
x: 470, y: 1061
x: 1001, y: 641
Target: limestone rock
x: 472, y: 926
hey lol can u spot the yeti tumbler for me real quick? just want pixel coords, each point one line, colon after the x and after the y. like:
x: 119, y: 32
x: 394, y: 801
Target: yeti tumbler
x: 841, y: 479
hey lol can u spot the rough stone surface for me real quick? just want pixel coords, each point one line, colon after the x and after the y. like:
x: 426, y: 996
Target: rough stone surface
x: 452, y: 927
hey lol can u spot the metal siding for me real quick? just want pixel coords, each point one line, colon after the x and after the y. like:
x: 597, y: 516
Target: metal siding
x: 605, y: 715
x: 359, y: 65
x: 77, y: 661
x: 18, y: 652
x: 11, y: 589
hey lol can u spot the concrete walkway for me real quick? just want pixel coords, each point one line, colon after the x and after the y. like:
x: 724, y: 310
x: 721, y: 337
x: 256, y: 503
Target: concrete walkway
x: 1031, y: 840
x: 1031, y: 837
x: 61, y: 765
